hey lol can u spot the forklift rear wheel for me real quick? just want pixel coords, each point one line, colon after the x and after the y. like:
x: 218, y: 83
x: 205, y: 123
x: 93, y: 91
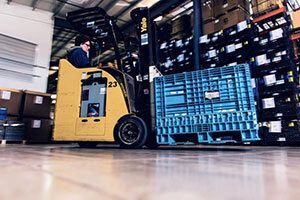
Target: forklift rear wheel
x: 87, y: 144
x: 131, y: 132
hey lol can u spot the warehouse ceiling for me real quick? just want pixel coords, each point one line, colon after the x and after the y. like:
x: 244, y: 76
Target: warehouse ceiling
x: 63, y: 37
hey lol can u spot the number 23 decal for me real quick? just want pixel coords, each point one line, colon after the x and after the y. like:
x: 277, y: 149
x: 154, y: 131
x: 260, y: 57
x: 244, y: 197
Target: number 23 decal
x: 112, y: 84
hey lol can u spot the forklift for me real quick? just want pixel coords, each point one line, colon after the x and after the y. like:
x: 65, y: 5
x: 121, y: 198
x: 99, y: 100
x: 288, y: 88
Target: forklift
x: 96, y: 105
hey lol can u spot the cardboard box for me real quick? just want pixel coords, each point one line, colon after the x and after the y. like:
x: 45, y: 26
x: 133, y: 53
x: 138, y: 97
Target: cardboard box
x: 231, y: 18
x: 38, y: 130
x: 208, y: 27
x: 218, y: 8
x: 11, y: 100
x: 207, y: 12
x: 260, y: 6
x: 231, y: 4
x: 36, y: 104
x: 224, y: 6
x: 296, y: 19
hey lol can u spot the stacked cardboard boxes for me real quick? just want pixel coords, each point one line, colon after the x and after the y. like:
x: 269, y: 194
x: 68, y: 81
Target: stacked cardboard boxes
x: 208, y: 17
x: 36, y: 116
x: 260, y: 7
x: 26, y: 115
x: 181, y: 27
x: 12, y: 126
x: 220, y: 14
x: 295, y: 16
x: 11, y: 100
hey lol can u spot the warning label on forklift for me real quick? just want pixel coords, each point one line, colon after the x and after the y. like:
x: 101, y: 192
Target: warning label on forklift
x: 144, y: 39
x: 212, y: 95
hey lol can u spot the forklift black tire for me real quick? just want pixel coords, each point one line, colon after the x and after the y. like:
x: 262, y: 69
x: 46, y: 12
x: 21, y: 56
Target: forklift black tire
x: 87, y: 144
x: 131, y: 132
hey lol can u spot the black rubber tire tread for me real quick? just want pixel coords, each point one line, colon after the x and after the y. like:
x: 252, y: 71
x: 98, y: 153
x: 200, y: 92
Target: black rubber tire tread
x: 87, y: 144
x: 142, y: 135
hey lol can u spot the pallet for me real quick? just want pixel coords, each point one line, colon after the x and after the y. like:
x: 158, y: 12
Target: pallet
x: 232, y: 137
x: 4, y: 142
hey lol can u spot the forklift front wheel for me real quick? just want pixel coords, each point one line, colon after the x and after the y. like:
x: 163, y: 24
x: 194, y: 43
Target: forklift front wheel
x: 131, y: 132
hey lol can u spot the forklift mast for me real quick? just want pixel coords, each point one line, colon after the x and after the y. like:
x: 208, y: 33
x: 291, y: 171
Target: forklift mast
x: 146, y: 33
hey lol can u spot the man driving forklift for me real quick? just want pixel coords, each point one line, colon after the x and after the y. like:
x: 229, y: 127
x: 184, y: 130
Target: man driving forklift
x: 78, y: 55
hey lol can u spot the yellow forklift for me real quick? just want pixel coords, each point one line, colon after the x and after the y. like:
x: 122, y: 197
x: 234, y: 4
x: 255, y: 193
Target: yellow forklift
x: 97, y: 105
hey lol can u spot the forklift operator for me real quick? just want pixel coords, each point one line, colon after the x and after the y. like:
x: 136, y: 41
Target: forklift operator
x: 78, y: 55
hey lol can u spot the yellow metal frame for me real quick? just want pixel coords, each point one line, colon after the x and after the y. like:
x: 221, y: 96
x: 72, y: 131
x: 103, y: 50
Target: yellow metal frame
x: 68, y: 126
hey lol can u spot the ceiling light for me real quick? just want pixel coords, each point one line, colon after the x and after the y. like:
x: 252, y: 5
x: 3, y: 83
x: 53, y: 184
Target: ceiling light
x: 159, y: 18
x: 122, y: 4
x: 188, y: 5
x: 177, y: 12
x: 78, y: 1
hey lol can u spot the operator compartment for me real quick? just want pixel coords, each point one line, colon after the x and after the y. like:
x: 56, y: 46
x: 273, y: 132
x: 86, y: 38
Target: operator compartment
x: 92, y: 104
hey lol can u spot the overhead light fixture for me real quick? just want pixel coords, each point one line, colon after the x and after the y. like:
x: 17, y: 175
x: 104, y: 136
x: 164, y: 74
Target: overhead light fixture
x: 188, y: 5
x: 159, y: 18
x: 78, y: 1
x: 177, y: 12
x: 122, y: 4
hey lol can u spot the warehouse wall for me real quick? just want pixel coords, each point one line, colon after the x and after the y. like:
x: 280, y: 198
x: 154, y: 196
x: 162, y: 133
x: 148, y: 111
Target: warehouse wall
x: 35, y: 27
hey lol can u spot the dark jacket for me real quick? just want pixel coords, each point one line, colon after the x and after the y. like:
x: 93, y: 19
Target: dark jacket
x: 77, y: 57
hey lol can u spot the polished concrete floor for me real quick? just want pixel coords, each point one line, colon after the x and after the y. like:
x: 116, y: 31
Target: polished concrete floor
x: 66, y: 172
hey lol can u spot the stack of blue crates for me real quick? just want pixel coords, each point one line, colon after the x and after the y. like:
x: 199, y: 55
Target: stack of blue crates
x: 3, y: 114
x: 10, y: 130
x: 15, y: 131
x: 206, y: 106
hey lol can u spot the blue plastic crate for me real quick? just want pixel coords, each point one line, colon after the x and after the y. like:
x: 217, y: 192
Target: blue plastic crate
x: 207, y: 106
x: 14, y: 131
x: 3, y: 113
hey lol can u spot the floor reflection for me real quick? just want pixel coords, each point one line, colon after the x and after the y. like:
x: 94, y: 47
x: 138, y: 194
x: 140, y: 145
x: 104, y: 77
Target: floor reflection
x: 200, y: 172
